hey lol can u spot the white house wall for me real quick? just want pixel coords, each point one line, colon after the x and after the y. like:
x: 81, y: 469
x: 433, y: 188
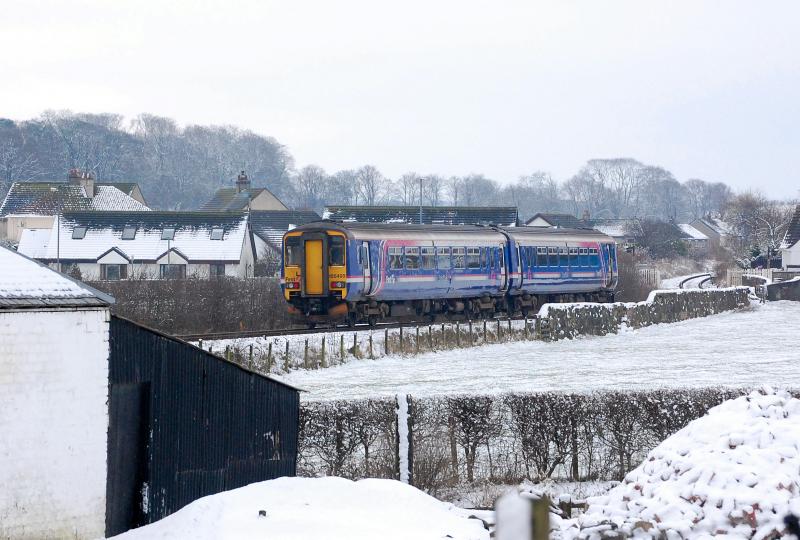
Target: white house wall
x: 791, y: 257
x: 53, y: 423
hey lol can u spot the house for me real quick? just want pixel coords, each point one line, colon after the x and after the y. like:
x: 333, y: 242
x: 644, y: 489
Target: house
x: 155, y: 245
x: 695, y: 239
x: 790, y: 247
x: 622, y: 230
x: 716, y: 230
x: 269, y: 226
x: 448, y: 215
x: 243, y: 197
x: 32, y: 205
x: 107, y: 425
x: 561, y: 221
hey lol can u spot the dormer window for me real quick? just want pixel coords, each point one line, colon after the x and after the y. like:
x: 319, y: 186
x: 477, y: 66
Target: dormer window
x: 129, y: 233
x: 168, y: 234
x: 217, y: 233
x: 78, y: 233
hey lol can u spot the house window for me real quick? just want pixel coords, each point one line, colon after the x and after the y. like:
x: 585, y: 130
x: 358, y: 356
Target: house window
x: 113, y: 272
x: 217, y: 233
x: 168, y: 234
x: 412, y: 258
x: 428, y: 258
x: 173, y: 271
x: 129, y: 233
x: 216, y: 270
x: 78, y: 233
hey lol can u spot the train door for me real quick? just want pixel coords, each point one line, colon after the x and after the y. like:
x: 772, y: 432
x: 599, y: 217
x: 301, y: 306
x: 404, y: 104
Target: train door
x: 366, y: 267
x: 503, y: 269
x: 314, y: 282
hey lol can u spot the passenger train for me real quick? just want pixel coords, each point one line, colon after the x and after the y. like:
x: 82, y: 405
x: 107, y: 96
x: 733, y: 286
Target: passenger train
x: 368, y: 272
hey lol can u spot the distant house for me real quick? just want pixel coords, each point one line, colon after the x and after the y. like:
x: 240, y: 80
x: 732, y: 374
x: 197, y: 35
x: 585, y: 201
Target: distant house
x: 696, y: 240
x: 561, y: 221
x: 156, y: 245
x: 447, y: 215
x: 716, y: 230
x: 790, y: 247
x: 242, y: 197
x: 269, y: 226
x: 32, y: 205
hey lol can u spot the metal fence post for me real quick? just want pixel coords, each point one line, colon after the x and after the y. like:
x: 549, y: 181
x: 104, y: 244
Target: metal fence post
x: 305, y: 355
x: 416, y: 344
x: 458, y: 336
x: 322, y: 353
x: 386, y: 342
x: 341, y: 347
x: 269, y: 358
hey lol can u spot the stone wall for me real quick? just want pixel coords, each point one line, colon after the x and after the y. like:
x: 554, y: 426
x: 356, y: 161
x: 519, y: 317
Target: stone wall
x: 572, y: 320
x: 784, y: 290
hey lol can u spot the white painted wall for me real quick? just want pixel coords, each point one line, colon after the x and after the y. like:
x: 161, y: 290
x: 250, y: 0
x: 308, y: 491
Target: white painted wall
x: 53, y: 423
x: 791, y: 257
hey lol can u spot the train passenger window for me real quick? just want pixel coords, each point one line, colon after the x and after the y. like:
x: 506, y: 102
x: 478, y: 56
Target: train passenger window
x: 552, y: 256
x: 458, y: 258
x: 485, y: 258
x: 574, y: 260
x: 594, y: 261
x: 335, y: 251
x: 443, y: 258
x: 428, y: 258
x: 584, y: 256
x: 412, y: 258
x: 395, y: 258
x: 541, y: 256
x: 293, y: 254
x: 563, y: 258
x: 473, y: 257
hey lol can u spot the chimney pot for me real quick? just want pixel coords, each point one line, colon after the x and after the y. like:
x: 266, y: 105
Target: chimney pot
x: 242, y: 182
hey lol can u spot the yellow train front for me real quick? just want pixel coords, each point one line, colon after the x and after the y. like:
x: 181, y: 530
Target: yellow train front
x: 315, y: 273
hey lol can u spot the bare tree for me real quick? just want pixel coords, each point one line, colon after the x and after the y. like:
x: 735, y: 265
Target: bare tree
x: 310, y: 185
x: 760, y: 223
x: 453, y: 187
x: 370, y: 185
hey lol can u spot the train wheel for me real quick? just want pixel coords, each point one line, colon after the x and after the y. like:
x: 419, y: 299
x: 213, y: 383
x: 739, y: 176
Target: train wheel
x: 311, y: 325
x: 372, y: 320
x: 351, y: 319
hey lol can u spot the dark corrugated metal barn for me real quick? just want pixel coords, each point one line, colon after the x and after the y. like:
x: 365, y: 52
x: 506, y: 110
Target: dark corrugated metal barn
x: 185, y: 423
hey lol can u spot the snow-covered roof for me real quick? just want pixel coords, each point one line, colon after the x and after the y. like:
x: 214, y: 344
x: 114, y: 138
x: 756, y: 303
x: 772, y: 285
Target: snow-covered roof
x: 693, y: 233
x: 270, y: 225
x: 448, y: 215
x: 33, y: 243
x: 50, y: 198
x: 734, y: 472
x: 793, y: 232
x: 232, y: 200
x: 192, y: 236
x: 24, y: 283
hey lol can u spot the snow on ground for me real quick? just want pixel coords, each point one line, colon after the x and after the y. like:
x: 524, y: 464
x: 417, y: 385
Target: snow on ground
x: 303, y: 508
x: 735, y: 472
x: 743, y: 348
x: 675, y: 282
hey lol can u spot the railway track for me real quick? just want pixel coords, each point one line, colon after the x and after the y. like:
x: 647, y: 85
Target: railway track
x: 686, y: 283
x: 213, y: 336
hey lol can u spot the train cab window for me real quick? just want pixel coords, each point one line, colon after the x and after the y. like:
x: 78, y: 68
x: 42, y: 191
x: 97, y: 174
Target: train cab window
x: 443, y: 258
x: 412, y: 258
x: 574, y: 260
x: 584, y: 256
x: 293, y: 249
x: 458, y: 258
x: 335, y: 251
x: 428, y: 258
x: 594, y: 260
x: 541, y: 256
x: 473, y: 258
x: 395, y: 258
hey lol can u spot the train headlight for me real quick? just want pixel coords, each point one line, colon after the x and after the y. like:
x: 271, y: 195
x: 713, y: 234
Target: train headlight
x: 292, y: 285
x: 337, y: 284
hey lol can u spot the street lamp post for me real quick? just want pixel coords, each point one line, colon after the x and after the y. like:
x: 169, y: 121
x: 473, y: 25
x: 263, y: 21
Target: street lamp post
x: 420, y: 200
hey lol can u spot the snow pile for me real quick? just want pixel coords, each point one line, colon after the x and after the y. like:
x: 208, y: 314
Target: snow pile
x: 735, y: 471
x: 330, y: 508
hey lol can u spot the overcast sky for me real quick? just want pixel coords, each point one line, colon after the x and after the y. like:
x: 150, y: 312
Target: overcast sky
x: 706, y: 89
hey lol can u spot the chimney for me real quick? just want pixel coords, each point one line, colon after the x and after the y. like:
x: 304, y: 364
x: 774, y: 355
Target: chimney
x: 585, y: 216
x: 242, y: 182
x: 85, y: 180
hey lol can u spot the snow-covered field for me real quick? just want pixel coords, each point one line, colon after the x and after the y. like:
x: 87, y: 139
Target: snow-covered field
x: 744, y: 348
x: 305, y: 508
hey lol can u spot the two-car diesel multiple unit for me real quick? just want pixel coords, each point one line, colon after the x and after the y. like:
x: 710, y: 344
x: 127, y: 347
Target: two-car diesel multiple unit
x: 366, y: 272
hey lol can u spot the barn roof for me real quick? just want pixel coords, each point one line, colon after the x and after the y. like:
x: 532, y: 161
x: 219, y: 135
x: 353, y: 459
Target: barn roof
x: 446, y: 215
x: 793, y: 232
x: 270, y: 225
x: 25, y: 283
x: 191, y: 236
x: 50, y: 198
